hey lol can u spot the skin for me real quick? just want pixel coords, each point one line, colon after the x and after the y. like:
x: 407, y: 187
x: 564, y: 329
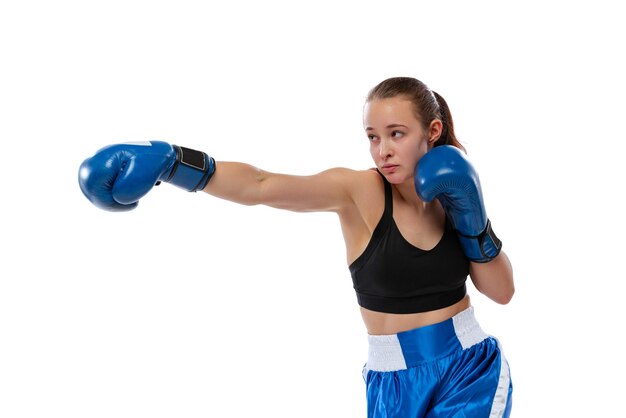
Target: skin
x: 397, y: 141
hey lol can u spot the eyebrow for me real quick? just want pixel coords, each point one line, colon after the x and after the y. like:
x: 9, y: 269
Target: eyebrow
x: 393, y: 125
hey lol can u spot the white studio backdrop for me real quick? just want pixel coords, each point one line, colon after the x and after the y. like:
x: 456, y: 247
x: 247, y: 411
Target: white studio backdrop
x: 190, y: 306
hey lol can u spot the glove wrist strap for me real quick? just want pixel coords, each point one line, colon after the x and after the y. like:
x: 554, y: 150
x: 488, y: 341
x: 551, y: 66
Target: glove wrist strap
x: 192, y: 169
x: 481, y: 248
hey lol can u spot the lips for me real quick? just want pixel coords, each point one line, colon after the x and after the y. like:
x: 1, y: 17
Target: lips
x: 389, y: 168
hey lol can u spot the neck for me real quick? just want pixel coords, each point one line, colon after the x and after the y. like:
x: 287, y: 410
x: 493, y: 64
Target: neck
x: 406, y: 192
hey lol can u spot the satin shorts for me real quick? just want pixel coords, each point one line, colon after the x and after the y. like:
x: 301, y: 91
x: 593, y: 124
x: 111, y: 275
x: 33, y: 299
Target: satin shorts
x: 448, y: 369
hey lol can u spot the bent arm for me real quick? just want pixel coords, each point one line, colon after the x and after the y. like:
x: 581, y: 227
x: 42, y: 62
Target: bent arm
x: 494, y: 279
x: 248, y: 185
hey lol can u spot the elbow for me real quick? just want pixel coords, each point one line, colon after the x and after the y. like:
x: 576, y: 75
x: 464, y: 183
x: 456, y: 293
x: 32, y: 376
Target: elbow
x: 505, y: 297
x: 502, y: 295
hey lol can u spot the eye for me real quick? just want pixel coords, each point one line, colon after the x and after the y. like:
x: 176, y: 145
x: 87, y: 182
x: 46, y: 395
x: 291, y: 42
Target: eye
x: 371, y: 137
x: 396, y: 134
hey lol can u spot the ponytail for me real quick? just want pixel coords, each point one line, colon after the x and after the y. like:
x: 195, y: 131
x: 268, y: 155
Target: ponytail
x: 448, y: 136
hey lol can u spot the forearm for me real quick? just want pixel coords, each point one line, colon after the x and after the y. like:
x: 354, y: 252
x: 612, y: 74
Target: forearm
x: 494, y: 279
x: 236, y: 182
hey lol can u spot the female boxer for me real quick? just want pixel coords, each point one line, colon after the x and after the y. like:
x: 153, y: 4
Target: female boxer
x: 415, y: 228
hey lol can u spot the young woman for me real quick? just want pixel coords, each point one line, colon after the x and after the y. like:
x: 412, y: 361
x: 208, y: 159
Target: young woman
x: 415, y: 227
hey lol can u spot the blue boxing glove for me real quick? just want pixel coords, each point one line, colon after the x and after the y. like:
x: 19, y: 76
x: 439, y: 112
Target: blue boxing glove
x: 445, y: 173
x: 117, y: 176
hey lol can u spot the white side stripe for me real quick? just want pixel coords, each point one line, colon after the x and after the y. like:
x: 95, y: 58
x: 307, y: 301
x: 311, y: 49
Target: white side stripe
x: 502, y: 392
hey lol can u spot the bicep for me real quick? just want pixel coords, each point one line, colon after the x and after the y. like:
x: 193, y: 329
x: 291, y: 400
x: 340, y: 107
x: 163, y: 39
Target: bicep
x: 325, y: 191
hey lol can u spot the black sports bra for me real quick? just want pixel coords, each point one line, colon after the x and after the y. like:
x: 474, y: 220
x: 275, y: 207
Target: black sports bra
x: 394, y: 276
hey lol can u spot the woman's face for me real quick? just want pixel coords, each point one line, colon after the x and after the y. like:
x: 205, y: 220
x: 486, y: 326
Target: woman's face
x: 397, y: 138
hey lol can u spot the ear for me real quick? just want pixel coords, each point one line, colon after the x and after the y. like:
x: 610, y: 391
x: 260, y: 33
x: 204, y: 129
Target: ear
x: 434, y: 131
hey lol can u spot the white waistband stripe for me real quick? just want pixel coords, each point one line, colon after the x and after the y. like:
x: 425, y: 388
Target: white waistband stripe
x: 385, y: 353
x: 467, y: 329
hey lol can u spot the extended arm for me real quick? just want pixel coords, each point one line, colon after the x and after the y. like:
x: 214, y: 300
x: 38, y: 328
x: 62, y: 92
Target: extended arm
x: 117, y: 176
x: 248, y: 185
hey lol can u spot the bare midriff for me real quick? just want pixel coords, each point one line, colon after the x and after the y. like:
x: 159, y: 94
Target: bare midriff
x: 380, y: 323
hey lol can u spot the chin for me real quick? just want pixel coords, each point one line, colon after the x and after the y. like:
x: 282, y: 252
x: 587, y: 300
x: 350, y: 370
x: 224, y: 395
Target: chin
x: 397, y: 178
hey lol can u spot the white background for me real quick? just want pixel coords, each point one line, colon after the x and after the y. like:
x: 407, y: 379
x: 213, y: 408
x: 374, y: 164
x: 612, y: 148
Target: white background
x: 194, y: 307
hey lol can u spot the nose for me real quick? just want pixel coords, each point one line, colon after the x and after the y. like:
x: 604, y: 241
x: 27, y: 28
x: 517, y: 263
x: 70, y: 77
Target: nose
x: 384, y: 149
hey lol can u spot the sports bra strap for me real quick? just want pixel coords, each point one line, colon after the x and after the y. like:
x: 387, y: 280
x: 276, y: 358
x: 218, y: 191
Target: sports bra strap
x: 388, y: 197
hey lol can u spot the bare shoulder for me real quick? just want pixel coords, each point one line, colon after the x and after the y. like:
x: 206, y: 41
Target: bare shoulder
x: 367, y: 186
x: 366, y: 192
x: 353, y: 177
x: 361, y: 185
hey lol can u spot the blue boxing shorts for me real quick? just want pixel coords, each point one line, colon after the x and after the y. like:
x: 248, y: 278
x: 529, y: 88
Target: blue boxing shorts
x: 448, y: 369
